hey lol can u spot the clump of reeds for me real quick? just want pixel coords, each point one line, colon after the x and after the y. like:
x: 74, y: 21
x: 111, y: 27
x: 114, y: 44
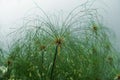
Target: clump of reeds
x: 75, y: 47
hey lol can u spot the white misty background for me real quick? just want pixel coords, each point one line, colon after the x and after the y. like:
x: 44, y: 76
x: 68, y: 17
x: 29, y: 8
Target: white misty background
x: 13, y: 11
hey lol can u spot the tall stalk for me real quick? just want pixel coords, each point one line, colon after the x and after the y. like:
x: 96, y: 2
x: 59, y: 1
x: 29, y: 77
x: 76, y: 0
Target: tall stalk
x: 7, y: 74
x: 54, y: 60
x: 42, y: 60
x: 42, y: 64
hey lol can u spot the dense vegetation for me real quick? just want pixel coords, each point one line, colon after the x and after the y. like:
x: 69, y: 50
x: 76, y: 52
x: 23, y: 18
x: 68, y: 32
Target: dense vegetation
x: 73, y: 47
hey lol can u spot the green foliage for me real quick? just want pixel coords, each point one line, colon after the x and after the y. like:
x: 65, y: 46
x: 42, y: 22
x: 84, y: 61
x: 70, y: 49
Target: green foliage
x: 77, y: 47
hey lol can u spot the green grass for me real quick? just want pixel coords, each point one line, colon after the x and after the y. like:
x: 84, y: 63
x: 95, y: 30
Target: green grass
x: 75, y: 47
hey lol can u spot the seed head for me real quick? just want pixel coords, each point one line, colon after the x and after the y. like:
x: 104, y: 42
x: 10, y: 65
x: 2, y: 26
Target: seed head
x: 94, y: 50
x: 9, y: 62
x: 107, y: 47
x: 42, y: 47
x: 117, y: 77
x: 110, y: 60
x: 94, y: 27
x: 59, y: 41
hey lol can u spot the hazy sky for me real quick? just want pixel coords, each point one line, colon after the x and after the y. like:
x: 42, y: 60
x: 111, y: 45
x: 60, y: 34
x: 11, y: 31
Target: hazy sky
x: 12, y: 11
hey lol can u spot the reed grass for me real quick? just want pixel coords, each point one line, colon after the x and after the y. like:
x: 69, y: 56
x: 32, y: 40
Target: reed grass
x: 76, y: 47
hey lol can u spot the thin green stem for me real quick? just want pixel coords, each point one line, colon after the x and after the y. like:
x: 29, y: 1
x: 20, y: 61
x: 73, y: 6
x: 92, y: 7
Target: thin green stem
x: 54, y: 60
x: 42, y: 64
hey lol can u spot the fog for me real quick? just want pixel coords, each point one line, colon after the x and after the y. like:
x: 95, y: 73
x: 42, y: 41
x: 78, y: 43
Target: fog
x: 13, y: 11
